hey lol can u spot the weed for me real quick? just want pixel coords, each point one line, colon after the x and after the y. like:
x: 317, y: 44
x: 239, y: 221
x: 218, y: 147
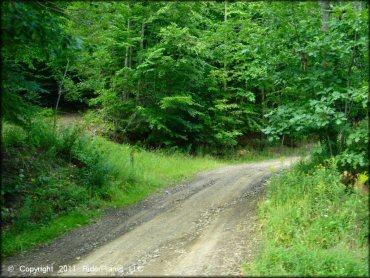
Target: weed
x: 312, y: 226
x: 14, y: 241
x: 13, y: 135
x: 63, y: 172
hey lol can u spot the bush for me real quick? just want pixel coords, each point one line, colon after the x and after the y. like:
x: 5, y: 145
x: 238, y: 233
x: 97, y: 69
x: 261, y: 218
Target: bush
x: 313, y: 226
x: 98, y: 170
x: 13, y: 136
x: 60, y: 198
x: 42, y: 135
x: 355, y: 156
x: 39, y: 182
x: 68, y: 137
x: 55, y: 192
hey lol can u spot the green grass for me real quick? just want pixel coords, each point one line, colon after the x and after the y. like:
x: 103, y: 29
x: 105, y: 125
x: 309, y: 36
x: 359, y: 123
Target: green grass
x: 312, y: 226
x: 152, y: 171
x: 62, y: 193
x: 148, y: 171
x: 14, y: 241
x: 248, y: 154
x: 107, y: 176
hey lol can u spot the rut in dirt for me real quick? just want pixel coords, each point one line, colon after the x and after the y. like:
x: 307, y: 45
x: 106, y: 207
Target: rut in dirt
x: 207, y: 226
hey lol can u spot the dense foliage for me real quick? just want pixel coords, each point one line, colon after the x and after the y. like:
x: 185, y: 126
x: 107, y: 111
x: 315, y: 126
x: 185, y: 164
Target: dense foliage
x: 207, y: 80
x: 198, y: 77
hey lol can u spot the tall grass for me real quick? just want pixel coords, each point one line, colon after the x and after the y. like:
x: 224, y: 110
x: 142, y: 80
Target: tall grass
x: 140, y: 172
x: 312, y: 226
x: 55, y: 179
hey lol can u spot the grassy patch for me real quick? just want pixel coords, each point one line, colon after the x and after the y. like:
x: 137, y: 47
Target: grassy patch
x: 312, y: 226
x: 139, y: 172
x: 52, y: 178
x: 14, y: 241
x: 269, y: 152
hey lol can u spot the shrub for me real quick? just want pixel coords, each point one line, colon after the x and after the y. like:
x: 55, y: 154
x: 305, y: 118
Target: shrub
x: 13, y: 136
x: 98, y: 170
x: 41, y: 134
x: 39, y: 183
x: 355, y: 156
x: 68, y: 137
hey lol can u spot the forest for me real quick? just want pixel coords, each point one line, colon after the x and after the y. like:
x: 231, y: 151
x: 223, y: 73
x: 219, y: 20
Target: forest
x: 203, y: 84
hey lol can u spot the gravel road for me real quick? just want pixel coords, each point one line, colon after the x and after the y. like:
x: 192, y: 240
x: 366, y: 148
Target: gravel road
x: 207, y: 226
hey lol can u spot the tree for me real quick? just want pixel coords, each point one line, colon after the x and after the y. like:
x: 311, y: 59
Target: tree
x: 332, y: 101
x: 37, y: 27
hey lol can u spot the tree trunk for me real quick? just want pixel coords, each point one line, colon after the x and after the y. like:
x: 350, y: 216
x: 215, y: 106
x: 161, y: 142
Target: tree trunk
x: 225, y: 12
x: 347, y: 105
x: 325, y: 7
x: 142, y: 34
x: 127, y: 56
x: 60, y: 94
x: 225, y: 41
x: 139, y: 83
x: 263, y: 95
x: 130, y: 59
x: 128, y: 38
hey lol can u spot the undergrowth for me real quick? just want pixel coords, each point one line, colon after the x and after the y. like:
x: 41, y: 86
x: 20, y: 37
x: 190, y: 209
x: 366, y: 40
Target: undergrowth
x: 313, y: 225
x: 57, y: 179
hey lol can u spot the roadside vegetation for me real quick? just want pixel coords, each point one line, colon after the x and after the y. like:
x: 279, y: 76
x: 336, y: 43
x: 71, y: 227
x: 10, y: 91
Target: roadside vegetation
x: 59, y: 179
x: 313, y: 224
x: 170, y: 95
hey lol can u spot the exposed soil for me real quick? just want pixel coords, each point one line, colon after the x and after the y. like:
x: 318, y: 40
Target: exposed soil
x: 207, y: 226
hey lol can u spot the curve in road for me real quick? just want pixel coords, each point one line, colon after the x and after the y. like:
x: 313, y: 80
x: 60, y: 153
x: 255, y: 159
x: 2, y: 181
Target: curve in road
x: 207, y: 226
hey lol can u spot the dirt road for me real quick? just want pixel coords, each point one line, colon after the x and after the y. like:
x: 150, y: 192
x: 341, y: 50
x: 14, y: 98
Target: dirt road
x: 207, y: 226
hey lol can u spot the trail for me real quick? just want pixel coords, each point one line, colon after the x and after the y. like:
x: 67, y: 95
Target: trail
x: 207, y: 226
